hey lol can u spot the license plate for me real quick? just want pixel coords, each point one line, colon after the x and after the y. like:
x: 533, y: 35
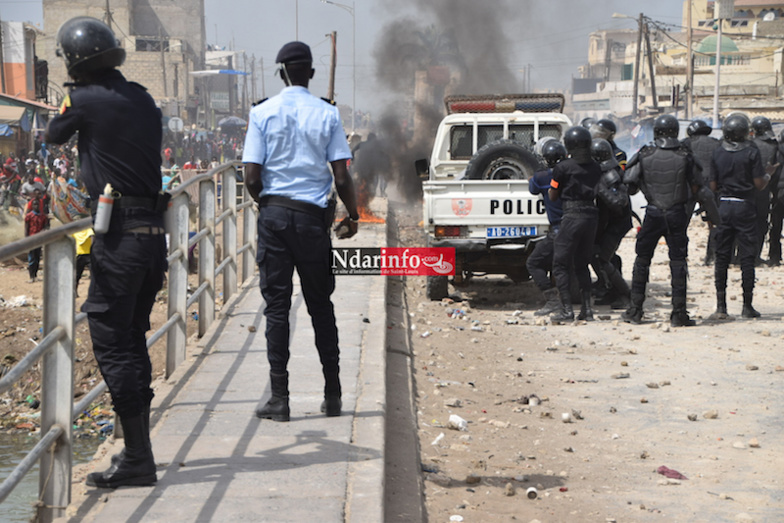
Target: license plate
x: 510, y: 232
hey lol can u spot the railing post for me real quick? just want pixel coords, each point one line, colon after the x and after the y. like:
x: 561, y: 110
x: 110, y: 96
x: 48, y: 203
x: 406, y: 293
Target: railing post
x: 177, y: 228
x: 230, y: 233
x: 207, y: 253
x: 54, y: 484
x: 248, y: 236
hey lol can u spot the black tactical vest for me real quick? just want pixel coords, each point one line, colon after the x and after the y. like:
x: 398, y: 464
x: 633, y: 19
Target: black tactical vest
x: 664, y: 173
x: 702, y: 148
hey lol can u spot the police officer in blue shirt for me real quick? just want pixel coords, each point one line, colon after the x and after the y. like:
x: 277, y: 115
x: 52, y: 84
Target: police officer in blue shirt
x: 292, y: 141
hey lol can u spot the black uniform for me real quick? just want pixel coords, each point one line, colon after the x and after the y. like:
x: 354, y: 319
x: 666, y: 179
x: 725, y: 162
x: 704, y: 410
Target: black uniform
x: 734, y: 168
x: 665, y: 172
x: 776, y: 212
x: 119, y: 143
x: 574, y: 243
x: 702, y: 147
x: 769, y: 155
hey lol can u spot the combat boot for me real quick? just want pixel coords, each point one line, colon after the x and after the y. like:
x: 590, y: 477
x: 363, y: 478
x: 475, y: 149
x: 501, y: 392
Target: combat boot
x: 566, y: 313
x: 634, y: 313
x: 137, y: 466
x: 748, y: 310
x: 679, y: 316
x: 277, y: 408
x: 332, y: 404
x: 146, y: 420
x: 721, y: 308
x: 586, y: 312
x: 552, y: 303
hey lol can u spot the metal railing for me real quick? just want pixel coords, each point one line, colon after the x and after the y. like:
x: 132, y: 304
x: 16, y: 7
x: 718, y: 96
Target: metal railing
x: 59, y: 319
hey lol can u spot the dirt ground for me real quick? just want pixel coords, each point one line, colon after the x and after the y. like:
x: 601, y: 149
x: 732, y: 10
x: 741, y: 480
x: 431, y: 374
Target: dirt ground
x: 613, y: 403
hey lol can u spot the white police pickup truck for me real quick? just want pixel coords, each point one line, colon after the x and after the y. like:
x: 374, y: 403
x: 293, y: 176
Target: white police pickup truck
x: 476, y: 196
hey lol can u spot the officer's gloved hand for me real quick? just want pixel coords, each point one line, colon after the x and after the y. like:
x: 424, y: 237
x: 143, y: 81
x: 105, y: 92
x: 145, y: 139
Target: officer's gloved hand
x: 771, y: 168
x: 346, y: 228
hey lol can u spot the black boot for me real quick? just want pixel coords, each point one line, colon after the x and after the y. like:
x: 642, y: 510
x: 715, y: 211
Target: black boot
x: 552, y: 304
x: 277, y: 408
x: 749, y: 311
x: 137, y: 466
x: 634, y: 313
x: 721, y: 308
x: 332, y: 392
x: 566, y: 313
x: 146, y: 420
x: 679, y: 316
x: 586, y: 312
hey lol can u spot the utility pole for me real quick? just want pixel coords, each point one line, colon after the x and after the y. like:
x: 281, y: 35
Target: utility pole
x: 2, y: 59
x: 163, y: 61
x: 263, y: 88
x: 332, y: 64
x: 650, y: 67
x: 244, y: 83
x: 690, y: 68
x: 636, y: 89
x: 253, y: 78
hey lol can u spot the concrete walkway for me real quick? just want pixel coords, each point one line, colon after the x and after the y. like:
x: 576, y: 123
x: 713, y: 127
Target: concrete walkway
x: 218, y: 462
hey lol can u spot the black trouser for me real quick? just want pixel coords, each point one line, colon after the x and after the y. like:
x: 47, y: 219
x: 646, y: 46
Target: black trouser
x: 34, y: 262
x: 738, y: 224
x: 762, y: 203
x: 606, y: 245
x: 776, y: 219
x: 574, y: 244
x: 289, y: 239
x: 671, y: 224
x: 127, y: 271
x: 82, y: 261
x: 540, y: 262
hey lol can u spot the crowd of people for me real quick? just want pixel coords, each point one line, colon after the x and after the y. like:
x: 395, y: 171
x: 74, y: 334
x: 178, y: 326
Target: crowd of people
x: 735, y: 181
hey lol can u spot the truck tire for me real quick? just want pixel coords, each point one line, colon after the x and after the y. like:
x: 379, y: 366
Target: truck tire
x: 502, y: 160
x: 437, y: 288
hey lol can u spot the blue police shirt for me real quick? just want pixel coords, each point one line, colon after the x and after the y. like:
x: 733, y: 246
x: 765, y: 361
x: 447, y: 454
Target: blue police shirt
x: 294, y: 136
x: 540, y: 184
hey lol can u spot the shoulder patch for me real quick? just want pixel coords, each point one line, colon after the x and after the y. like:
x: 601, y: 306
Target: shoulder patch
x: 330, y: 102
x: 66, y: 104
x: 140, y: 86
x: 648, y: 149
x: 254, y: 104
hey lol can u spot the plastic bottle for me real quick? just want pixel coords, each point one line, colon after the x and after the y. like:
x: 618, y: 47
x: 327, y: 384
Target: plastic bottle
x: 104, y: 213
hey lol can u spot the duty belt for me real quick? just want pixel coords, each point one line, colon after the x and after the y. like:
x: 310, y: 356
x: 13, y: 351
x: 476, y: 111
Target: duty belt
x: 289, y: 203
x: 578, y: 205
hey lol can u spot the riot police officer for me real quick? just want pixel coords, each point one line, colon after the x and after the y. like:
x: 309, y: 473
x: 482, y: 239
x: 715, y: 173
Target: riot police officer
x: 606, y: 129
x: 738, y: 174
x: 615, y: 220
x: 664, y: 171
x: 776, y: 211
x: 128, y: 262
x: 540, y: 262
x: 574, y: 182
x: 292, y: 141
x: 766, y: 142
x: 702, y: 145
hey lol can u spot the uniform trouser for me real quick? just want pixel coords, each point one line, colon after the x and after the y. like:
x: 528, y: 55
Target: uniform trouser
x: 289, y: 239
x: 540, y: 262
x: 605, y: 248
x: 127, y: 271
x: 574, y: 244
x: 671, y: 224
x: 34, y: 262
x: 738, y: 223
x: 776, y: 219
x: 762, y: 203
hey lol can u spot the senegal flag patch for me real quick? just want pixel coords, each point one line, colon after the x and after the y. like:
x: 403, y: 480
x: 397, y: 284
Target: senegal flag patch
x: 66, y: 104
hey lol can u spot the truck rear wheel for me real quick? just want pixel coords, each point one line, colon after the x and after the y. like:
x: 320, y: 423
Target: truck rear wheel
x: 502, y: 160
x: 437, y: 288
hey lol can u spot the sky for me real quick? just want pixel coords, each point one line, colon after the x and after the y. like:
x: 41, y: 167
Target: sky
x: 547, y: 37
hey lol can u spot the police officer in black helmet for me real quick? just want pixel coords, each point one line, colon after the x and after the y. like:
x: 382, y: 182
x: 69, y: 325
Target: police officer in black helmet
x: 702, y: 145
x: 606, y: 129
x: 574, y: 182
x: 768, y: 146
x: 777, y: 210
x: 119, y: 143
x: 540, y: 262
x: 737, y: 175
x: 664, y: 171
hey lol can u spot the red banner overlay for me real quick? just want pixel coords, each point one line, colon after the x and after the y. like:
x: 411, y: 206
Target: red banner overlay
x: 394, y: 261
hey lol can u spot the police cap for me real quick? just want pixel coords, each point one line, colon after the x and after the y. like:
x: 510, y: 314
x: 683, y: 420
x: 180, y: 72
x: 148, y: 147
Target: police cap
x: 294, y: 53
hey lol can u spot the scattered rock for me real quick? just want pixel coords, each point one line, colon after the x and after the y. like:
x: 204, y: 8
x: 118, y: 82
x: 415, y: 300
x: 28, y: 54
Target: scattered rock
x: 652, y: 385
x: 692, y: 417
x: 251, y: 328
x: 739, y: 445
x: 620, y: 376
x: 509, y: 490
x: 710, y: 414
x: 439, y: 479
x: 473, y: 479
x: 754, y: 443
x: 752, y: 367
x: 453, y: 402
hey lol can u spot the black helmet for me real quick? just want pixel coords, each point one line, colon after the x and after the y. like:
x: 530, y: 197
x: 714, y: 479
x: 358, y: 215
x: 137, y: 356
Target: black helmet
x: 762, y: 127
x: 553, y: 152
x: 601, y: 150
x: 665, y: 126
x: 577, y: 140
x: 587, y: 122
x: 698, y: 127
x: 604, y: 128
x: 88, y: 45
x: 736, y: 128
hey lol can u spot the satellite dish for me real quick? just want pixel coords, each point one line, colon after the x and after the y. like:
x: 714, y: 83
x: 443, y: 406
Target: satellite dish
x: 769, y: 17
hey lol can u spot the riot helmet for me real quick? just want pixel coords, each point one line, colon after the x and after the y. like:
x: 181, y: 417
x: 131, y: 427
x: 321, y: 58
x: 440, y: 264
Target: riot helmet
x: 698, y: 127
x: 762, y: 128
x: 602, y: 152
x: 604, y: 128
x: 577, y: 141
x: 88, y: 45
x: 736, y: 128
x: 665, y: 126
x: 553, y: 152
x: 587, y: 122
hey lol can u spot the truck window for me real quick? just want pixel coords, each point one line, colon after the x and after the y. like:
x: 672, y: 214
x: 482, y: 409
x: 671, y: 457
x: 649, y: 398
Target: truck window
x: 488, y: 134
x: 461, y: 142
x: 522, y: 134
